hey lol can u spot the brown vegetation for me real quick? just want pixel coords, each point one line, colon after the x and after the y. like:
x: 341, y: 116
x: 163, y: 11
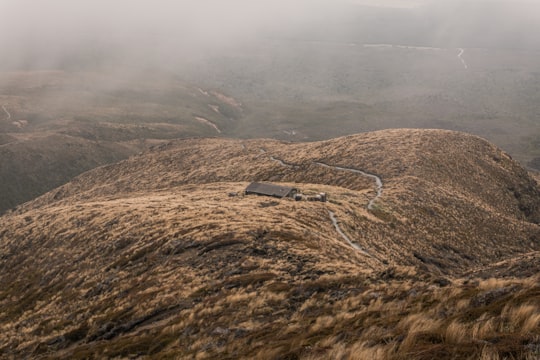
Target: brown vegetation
x: 152, y: 257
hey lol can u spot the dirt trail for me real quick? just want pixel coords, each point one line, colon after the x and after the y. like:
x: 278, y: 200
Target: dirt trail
x: 282, y: 163
x: 371, y: 203
x: 377, y: 179
x: 7, y: 112
x: 343, y: 235
x: 209, y: 123
x: 460, y: 56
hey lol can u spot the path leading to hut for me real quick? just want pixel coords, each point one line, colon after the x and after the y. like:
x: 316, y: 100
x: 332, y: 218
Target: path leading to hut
x: 343, y: 235
x: 378, y: 183
x: 377, y: 179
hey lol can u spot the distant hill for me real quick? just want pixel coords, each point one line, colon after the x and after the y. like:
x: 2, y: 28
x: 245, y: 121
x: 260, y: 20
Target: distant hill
x: 33, y: 166
x: 162, y: 255
x: 61, y: 124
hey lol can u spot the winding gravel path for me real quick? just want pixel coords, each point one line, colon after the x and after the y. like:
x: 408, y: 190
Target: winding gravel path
x: 377, y: 179
x: 379, y: 187
x: 7, y: 112
x: 209, y: 123
x: 343, y: 235
x: 460, y: 56
x: 283, y: 163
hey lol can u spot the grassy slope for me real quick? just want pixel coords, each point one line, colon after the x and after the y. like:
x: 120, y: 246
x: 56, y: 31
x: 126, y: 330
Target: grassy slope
x: 152, y: 256
x: 443, y: 194
x: 33, y: 166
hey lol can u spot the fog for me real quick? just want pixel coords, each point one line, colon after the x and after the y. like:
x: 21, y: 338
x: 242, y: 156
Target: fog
x: 46, y: 34
x: 60, y: 33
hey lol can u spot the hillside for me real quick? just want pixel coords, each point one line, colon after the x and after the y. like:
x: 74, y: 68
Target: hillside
x: 55, y: 125
x: 162, y: 254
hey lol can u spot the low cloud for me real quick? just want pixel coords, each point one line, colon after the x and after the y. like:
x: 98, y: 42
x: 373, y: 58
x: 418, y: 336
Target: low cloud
x: 56, y: 33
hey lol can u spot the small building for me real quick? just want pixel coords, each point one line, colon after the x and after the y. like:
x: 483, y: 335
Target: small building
x: 273, y: 190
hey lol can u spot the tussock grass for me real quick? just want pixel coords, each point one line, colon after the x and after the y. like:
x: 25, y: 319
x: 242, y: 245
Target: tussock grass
x: 159, y: 250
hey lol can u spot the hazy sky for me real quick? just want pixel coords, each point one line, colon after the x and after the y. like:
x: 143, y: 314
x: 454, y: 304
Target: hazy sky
x: 42, y: 33
x: 391, y: 3
x: 47, y: 29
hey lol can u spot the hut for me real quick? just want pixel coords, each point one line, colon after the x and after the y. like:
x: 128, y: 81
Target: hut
x: 266, y: 189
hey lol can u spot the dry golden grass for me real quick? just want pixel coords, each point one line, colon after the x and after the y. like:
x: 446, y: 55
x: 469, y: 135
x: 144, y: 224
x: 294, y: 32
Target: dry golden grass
x: 433, y: 209
x: 153, y: 257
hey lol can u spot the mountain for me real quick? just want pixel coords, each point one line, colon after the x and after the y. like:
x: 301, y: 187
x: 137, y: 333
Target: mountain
x: 427, y: 247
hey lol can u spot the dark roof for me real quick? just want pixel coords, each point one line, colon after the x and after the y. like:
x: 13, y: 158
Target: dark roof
x: 270, y: 190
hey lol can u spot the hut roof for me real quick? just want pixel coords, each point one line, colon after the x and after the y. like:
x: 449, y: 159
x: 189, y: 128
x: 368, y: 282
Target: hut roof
x: 270, y: 190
